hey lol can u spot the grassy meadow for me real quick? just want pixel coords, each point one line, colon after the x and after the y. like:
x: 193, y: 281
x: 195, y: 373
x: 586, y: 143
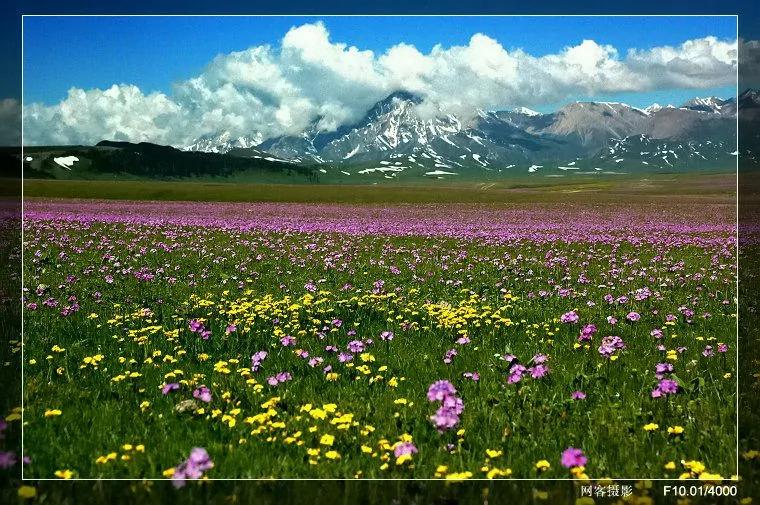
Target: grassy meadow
x: 308, y: 340
x: 602, y: 188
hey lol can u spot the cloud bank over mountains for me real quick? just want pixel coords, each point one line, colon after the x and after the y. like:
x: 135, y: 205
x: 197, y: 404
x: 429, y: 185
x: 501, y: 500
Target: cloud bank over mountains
x: 282, y: 90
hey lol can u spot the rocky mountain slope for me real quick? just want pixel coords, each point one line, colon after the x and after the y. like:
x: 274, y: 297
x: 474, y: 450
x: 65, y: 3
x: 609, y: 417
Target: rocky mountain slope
x: 393, y: 139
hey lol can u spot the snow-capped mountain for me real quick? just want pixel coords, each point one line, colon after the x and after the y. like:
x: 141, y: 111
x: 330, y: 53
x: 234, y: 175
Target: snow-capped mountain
x: 663, y: 154
x: 393, y: 138
x: 223, y: 143
x: 711, y: 104
x: 594, y: 123
x: 655, y: 107
x: 526, y: 111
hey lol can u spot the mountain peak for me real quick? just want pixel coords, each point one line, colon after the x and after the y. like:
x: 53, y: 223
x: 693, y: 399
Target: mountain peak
x: 705, y: 104
x: 399, y: 96
x: 223, y: 142
x: 391, y: 102
x: 651, y: 109
x: 526, y: 111
x: 402, y: 95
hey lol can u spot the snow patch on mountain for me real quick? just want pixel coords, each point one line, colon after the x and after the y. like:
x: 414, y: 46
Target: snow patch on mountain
x: 66, y: 161
x: 526, y: 111
x: 223, y: 143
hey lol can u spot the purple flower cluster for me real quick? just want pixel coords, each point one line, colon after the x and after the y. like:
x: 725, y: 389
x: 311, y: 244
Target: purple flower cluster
x: 447, y: 415
x: 517, y: 371
x: 642, y: 294
x: 572, y: 457
x: 257, y: 359
x: 168, y: 388
x: 193, y: 467
x: 662, y: 369
x: 610, y: 345
x: 404, y: 448
x: 386, y: 335
x: 279, y: 378
x: 519, y: 223
x: 578, y: 395
x: 569, y: 317
x: 315, y: 361
x: 345, y: 357
x: 449, y: 356
x: 587, y: 332
x: 203, y: 394
x: 440, y: 390
x: 377, y: 287
x: 666, y: 386
x: 288, y: 340
x: 356, y: 346
x: 538, y: 371
x: 198, y: 327
x: 540, y: 359
x: 72, y: 308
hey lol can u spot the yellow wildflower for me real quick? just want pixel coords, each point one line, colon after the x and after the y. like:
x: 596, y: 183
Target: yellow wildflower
x: 27, y: 492
x: 64, y: 474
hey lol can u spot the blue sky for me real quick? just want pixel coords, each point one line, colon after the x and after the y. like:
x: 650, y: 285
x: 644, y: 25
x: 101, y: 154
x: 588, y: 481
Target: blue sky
x: 155, y: 52
x: 152, y: 78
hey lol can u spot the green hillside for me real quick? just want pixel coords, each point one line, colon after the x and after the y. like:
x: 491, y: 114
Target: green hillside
x: 124, y: 160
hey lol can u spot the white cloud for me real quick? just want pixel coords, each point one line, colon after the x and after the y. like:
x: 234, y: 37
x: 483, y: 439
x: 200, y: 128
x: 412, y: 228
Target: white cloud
x: 308, y: 77
x: 122, y: 112
x: 696, y: 63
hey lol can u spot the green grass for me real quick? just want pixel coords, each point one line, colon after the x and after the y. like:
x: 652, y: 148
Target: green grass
x: 324, y: 491
x: 684, y: 187
x: 252, y: 279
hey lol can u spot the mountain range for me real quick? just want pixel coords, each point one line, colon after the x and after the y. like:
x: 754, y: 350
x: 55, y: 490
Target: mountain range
x: 392, y: 140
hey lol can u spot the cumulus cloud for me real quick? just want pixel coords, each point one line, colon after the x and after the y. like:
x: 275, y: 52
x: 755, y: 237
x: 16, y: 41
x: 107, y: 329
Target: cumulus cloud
x: 122, y: 112
x: 310, y: 79
x: 696, y: 63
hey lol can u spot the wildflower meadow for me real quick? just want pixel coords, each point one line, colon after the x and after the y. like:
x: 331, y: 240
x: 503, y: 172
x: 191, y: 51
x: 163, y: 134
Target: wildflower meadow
x: 272, y: 340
